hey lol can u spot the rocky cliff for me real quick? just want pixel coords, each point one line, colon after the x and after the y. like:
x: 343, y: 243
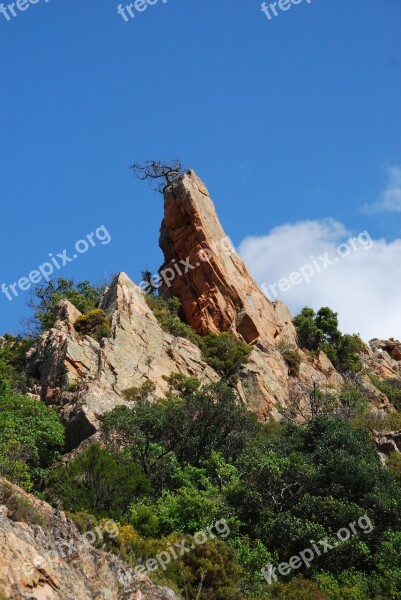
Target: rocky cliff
x: 215, y: 288
x: 44, y: 557
x: 85, y: 378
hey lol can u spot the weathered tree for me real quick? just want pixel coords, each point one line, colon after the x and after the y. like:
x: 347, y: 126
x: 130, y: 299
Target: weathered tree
x: 164, y: 174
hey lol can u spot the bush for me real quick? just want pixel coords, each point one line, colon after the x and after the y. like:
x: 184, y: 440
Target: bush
x: 225, y: 354
x: 97, y: 481
x: 13, y: 464
x: 319, y: 331
x: 183, y: 384
x: 144, y: 520
x: 45, y: 299
x: 139, y: 393
x: 293, y: 361
x: 34, y: 425
x: 167, y: 312
x: 390, y: 387
x: 20, y: 509
x: 84, y: 521
x: 13, y: 364
x: 95, y: 324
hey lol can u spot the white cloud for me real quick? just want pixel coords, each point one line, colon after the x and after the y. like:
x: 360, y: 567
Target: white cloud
x: 390, y: 199
x: 363, y: 287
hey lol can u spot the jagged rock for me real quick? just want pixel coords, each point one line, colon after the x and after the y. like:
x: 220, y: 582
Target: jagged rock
x: 86, y: 379
x: 391, y: 346
x: 52, y: 561
x: 218, y: 294
x: 384, y: 358
x: 215, y: 288
x: 266, y: 387
x: 388, y: 441
x: 137, y: 351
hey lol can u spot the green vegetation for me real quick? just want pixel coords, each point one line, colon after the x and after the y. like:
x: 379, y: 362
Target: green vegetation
x: 319, y: 331
x: 225, y: 354
x: 20, y: 509
x: 174, y: 467
x: 97, y: 480
x: 31, y: 438
x: 169, y: 469
x: 167, y: 312
x: 293, y: 361
x: 45, y: 298
x: 139, y: 393
x: 95, y: 323
x: 12, y: 363
x: 391, y: 388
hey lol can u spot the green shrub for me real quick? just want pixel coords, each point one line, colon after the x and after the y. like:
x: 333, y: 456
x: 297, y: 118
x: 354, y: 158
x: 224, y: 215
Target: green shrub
x: 144, y: 520
x: 225, y: 354
x: 97, y: 481
x: 390, y: 387
x: 293, y: 361
x: 95, y: 324
x: 84, y: 521
x: 139, y: 393
x: 13, y: 464
x: 13, y: 364
x: 167, y: 312
x: 35, y: 426
x: 371, y: 420
x: 182, y: 383
x: 319, y: 331
x: 45, y: 299
x: 20, y: 509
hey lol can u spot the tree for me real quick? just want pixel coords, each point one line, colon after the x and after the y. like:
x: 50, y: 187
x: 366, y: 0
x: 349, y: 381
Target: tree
x: 319, y: 331
x: 209, y: 418
x: 45, y: 298
x: 34, y: 425
x: 97, y: 481
x: 164, y: 174
x: 13, y: 364
x: 225, y: 354
x: 309, y: 335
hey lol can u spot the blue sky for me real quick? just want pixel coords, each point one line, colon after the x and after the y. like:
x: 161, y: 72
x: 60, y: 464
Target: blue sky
x: 290, y: 120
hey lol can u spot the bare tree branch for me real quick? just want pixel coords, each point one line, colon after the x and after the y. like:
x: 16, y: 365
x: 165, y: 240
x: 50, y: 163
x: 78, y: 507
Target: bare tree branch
x: 169, y: 173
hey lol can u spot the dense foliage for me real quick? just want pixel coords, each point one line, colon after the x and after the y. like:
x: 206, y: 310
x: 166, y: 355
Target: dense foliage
x: 31, y: 438
x: 167, y: 470
x: 319, y: 331
x: 12, y: 363
x: 175, y: 467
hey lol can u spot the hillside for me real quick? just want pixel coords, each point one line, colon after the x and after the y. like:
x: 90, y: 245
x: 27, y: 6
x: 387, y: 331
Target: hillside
x: 145, y: 415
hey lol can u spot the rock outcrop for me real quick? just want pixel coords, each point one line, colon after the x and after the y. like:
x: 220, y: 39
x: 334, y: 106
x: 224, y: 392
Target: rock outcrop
x: 44, y: 557
x: 203, y: 270
x: 384, y: 358
x: 85, y: 379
